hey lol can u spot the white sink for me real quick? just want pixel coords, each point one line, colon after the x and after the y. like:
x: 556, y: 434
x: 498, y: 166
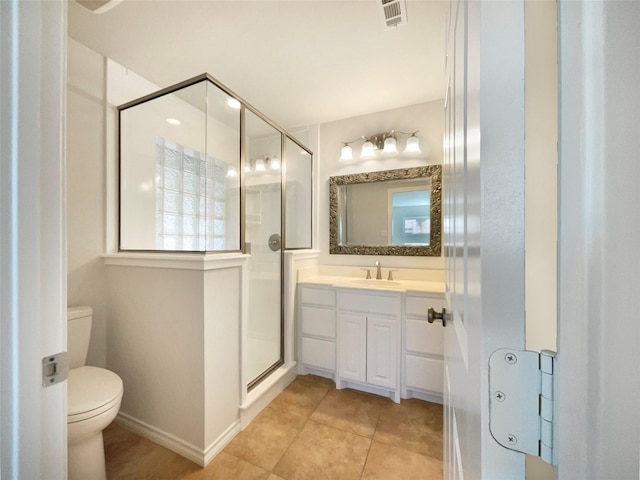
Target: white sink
x: 375, y: 283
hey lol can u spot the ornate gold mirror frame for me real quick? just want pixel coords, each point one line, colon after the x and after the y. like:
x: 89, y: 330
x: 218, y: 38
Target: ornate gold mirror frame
x: 434, y: 172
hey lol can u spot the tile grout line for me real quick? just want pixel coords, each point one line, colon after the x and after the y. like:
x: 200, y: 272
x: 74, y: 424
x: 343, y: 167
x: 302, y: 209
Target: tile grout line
x: 364, y: 465
x: 300, y: 430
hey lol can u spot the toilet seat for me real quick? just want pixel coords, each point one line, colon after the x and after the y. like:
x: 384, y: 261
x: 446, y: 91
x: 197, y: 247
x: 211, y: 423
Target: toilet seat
x: 91, y: 391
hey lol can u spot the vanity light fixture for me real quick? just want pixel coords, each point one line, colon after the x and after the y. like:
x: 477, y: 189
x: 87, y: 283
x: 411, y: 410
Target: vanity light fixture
x: 346, y: 152
x: 413, y: 145
x: 274, y: 163
x: 368, y: 150
x: 386, y: 143
x: 262, y: 164
x: 390, y: 146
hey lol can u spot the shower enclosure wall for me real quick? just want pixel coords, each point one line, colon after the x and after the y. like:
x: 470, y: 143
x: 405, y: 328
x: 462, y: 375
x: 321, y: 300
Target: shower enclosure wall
x: 203, y: 172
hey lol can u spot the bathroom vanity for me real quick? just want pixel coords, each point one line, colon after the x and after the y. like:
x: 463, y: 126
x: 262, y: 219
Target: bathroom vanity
x: 372, y: 335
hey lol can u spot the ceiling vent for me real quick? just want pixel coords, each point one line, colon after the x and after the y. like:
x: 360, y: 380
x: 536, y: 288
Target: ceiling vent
x: 98, y: 6
x: 392, y: 13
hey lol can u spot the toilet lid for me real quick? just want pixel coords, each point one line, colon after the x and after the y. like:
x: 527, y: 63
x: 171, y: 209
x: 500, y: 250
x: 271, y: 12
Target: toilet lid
x: 91, y: 388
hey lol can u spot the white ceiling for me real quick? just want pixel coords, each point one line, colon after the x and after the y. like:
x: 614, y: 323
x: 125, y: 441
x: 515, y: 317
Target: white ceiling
x: 298, y: 61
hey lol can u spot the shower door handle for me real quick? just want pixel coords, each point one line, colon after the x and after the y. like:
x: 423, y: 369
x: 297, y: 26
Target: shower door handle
x: 275, y: 242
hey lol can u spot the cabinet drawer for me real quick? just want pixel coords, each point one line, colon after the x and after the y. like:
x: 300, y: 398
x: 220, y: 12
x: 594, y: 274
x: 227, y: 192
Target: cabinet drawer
x: 418, y: 306
x: 318, y: 296
x: 424, y: 373
x: 381, y: 304
x: 320, y: 322
x: 319, y: 353
x: 424, y: 337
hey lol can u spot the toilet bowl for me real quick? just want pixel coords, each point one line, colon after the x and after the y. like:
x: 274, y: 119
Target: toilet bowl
x: 93, y: 400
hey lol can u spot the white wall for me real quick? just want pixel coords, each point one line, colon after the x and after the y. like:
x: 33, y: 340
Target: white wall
x: 541, y: 160
x: 86, y: 276
x: 221, y: 351
x: 426, y: 117
x: 156, y: 346
x: 541, y: 163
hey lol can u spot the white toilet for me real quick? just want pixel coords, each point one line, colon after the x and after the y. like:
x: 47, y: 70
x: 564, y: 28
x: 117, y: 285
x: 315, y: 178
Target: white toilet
x: 93, y: 401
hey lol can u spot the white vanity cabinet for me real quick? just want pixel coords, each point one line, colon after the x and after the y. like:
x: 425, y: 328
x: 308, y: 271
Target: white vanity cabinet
x: 375, y: 340
x: 423, y: 353
x: 317, y: 325
x: 368, y: 341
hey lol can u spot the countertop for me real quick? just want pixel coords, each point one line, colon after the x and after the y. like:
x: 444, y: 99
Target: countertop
x: 372, y: 284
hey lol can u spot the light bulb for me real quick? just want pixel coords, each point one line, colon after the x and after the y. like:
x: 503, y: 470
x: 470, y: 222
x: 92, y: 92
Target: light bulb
x: 274, y: 163
x: 390, y: 146
x: 232, y: 172
x: 346, y: 153
x: 260, y: 167
x: 367, y: 151
x: 413, y: 145
x: 173, y: 121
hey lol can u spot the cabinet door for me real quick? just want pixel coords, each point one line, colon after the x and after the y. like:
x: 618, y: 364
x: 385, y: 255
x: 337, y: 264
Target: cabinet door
x: 352, y: 347
x: 382, y: 352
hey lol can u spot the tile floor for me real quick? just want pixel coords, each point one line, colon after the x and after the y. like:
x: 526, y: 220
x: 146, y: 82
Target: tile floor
x: 311, y: 431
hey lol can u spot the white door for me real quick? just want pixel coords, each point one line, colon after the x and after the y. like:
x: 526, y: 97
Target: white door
x: 33, y: 295
x: 483, y: 197
x: 598, y: 392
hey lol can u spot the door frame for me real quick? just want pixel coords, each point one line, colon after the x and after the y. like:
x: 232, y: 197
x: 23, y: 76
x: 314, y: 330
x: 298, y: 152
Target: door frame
x: 598, y: 231
x: 33, y: 276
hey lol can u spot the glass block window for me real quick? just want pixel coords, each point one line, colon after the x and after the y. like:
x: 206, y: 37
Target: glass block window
x: 190, y: 199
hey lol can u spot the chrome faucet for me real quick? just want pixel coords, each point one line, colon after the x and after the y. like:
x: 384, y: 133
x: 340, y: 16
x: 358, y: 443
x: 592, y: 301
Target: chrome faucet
x: 378, y: 271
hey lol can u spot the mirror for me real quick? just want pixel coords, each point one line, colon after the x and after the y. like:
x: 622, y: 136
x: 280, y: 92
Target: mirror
x: 393, y: 212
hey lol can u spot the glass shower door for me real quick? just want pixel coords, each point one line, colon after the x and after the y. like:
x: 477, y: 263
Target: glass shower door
x: 263, y: 351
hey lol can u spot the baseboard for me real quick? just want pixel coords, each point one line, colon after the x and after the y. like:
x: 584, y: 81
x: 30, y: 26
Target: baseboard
x: 262, y: 395
x: 177, y: 445
x: 222, y: 441
x: 161, y: 437
x: 383, y: 392
x: 306, y: 370
x: 256, y: 401
x: 427, y: 397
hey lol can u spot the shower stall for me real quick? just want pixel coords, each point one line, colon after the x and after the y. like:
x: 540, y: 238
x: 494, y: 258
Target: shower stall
x: 202, y: 172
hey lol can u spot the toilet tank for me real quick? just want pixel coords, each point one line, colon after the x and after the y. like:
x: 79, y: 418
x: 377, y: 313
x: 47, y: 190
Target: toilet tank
x: 78, y: 334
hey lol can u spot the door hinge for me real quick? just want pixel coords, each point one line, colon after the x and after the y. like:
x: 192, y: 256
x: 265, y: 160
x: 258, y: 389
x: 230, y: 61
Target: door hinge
x: 54, y: 369
x: 521, y: 402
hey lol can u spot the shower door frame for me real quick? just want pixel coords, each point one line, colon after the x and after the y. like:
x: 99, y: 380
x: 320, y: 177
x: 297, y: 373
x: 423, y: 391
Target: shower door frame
x: 251, y: 384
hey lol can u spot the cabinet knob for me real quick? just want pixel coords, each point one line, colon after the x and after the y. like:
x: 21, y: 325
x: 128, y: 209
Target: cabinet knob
x: 432, y: 316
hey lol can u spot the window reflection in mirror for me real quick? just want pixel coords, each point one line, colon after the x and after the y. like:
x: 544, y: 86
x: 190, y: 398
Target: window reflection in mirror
x: 410, y: 215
